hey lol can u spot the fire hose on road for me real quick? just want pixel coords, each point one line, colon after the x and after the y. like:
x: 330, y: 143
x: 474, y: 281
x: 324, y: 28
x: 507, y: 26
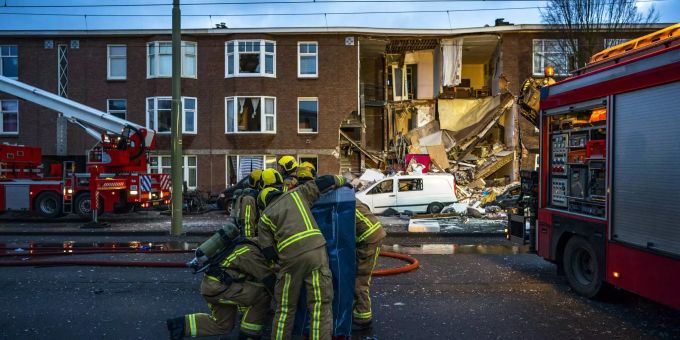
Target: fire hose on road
x: 413, y: 263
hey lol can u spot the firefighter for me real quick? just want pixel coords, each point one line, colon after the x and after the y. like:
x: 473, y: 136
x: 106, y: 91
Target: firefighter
x: 247, y: 206
x: 369, y: 239
x: 288, y: 166
x: 237, y: 277
x: 270, y: 178
x: 309, y: 166
x: 289, y: 234
x: 304, y: 175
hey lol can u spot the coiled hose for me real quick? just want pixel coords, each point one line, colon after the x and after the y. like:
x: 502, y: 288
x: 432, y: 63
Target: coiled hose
x: 413, y: 263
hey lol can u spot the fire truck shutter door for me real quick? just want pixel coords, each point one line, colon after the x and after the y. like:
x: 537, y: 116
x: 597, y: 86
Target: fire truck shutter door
x: 646, y: 162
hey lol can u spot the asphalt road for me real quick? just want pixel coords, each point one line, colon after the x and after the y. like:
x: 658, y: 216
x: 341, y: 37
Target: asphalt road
x: 492, y: 293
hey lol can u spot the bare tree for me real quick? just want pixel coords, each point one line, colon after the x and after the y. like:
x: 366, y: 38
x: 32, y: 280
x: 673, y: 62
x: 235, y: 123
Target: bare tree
x: 584, y: 24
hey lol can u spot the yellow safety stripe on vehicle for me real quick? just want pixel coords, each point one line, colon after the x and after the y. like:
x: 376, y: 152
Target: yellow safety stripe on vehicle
x: 316, y: 313
x: 192, y: 324
x: 247, y: 221
x: 303, y: 211
x: 238, y: 252
x: 368, y: 232
x: 264, y: 218
x: 296, y: 237
x: 362, y: 315
x: 210, y: 277
x: 281, y: 322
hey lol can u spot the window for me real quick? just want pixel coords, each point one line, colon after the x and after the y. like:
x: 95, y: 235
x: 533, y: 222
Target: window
x: 613, y: 42
x: 238, y: 167
x: 309, y: 158
x: 159, y: 59
x: 250, y: 114
x: 411, y: 184
x: 159, y: 114
x: 308, y: 115
x: 116, y: 62
x: 555, y: 52
x: 383, y: 187
x: 250, y: 58
x: 162, y: 165
x: 117, y: 107
x: 308, y: 59
x: 9, y: 114
x: 9, y: 61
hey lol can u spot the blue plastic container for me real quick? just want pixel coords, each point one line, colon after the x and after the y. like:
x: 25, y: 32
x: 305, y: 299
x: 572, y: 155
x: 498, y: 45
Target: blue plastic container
x: 334, y: 212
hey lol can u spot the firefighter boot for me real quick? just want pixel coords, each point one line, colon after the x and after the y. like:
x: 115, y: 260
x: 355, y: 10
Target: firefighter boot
x: 176, y: 328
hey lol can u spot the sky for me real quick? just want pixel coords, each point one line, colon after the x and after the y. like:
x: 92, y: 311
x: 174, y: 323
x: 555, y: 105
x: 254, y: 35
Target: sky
x: 445, y: 14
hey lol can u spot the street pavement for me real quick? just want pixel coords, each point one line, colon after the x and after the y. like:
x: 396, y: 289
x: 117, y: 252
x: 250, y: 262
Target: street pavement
x: 485, y: 290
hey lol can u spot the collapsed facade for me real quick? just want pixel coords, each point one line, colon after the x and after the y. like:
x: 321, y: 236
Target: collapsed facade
x: 345, y: 99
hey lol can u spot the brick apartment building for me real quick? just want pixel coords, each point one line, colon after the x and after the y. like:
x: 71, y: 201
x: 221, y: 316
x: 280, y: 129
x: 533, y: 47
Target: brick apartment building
x: 252, y: 95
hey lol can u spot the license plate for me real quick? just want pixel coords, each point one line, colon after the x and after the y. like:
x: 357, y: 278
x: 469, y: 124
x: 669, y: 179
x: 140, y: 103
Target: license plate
x: 155, y: 203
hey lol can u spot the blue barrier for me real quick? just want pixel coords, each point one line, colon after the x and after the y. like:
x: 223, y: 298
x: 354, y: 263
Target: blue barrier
x: 334, y: 212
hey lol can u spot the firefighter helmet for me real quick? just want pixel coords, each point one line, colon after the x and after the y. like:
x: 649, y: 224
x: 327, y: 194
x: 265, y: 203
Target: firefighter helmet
x: 288, y: 164
x: 309, y: 166
x: 266, y: 195
x: 254, y: 177
x: 304, y: 174
x: 269, y: 178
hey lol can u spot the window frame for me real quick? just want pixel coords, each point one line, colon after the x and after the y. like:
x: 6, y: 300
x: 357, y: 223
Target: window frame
x: 16, y: 47
x: 109, y: 111
x: 185, y: 168
x: 308, y: 155
x: 108, y: 62
x: 263, y: 59
x: 238, y: 163
x: 2, y: 119
x: 308, y: 54
x: 263, y: 118
x: 184, y: 117
x: 533, y: 59
x: 155, y: 127
x: 156, y: 46
x: 317, y: 115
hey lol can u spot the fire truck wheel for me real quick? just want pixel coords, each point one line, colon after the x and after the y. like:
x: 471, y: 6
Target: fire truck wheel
x: 83, y: 206
x: 49, y: 204
x: 582, y: 268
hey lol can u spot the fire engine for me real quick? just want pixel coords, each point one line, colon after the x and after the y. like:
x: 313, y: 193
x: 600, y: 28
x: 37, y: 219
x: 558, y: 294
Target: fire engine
x: 604, y: 207
x: 116, y: 165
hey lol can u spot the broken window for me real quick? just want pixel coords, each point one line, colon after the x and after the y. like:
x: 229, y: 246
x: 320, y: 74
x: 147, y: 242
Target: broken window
x: 159, y: 114
x: 385, y: 186
x: 411, y: 184
x: 250, y: 58
x: 250, y: 114
x: 308, y: 115
x: 309, y: 158
x: 240, y: 166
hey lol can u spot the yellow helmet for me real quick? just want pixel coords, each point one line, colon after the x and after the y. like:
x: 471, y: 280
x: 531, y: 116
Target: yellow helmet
x: 288, y: 163
x: 269, y: 178
x: 254, y: 177
x: 309, y: 166
x: 266, y: 195
x: 304, y: 174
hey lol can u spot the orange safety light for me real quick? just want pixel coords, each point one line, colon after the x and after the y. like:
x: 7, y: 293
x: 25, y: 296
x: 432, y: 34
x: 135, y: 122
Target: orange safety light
x: 598, y: 115
x: 549, y: 71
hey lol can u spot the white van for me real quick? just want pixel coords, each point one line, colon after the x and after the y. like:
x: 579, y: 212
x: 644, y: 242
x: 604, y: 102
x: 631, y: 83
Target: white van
x: 417, y: 193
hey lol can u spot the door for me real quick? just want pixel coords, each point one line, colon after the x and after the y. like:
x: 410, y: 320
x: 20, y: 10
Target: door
x: 382, y: 196
x: 410, y: 195
x: 399, y: 83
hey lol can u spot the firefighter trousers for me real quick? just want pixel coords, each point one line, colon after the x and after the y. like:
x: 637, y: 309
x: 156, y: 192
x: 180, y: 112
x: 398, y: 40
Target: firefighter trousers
x: 367, y: 257
x: 311, y: 269
x: 224, y: 301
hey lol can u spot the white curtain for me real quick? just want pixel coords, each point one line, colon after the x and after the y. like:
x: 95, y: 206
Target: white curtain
x: 452, y: 61
x: 256, y: 106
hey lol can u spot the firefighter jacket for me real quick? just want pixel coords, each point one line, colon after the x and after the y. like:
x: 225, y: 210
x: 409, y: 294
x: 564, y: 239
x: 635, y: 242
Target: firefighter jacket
x: 287, y: 224
x: 368, y: 227
x: 245, y: 263
x: 248, y: 215
x: 289, y: 182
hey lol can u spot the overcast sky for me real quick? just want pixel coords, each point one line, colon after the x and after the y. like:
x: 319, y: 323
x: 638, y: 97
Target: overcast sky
x: 479, y: 13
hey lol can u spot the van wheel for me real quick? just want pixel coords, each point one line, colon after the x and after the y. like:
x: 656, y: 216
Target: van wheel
x: 48, y: 204
x: 435, y: 208
x: 582, y: 267
x: 83, y: 205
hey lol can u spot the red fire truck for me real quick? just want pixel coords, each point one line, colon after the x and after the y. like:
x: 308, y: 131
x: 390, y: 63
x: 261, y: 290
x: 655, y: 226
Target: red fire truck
x: 609, y: 178
x: 116, y: 165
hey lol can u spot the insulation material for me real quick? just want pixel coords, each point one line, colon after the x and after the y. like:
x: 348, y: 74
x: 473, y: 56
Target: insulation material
x: 458, y: 114
x: 425, y: 115
x: 438, y: 156
x: 452, y: 61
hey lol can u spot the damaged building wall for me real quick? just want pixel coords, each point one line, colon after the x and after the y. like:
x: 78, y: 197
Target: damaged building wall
x: 425, y: 77
x: 475, y: 73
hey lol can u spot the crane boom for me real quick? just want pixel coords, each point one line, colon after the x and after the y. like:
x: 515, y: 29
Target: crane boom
x: 71, y: 109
